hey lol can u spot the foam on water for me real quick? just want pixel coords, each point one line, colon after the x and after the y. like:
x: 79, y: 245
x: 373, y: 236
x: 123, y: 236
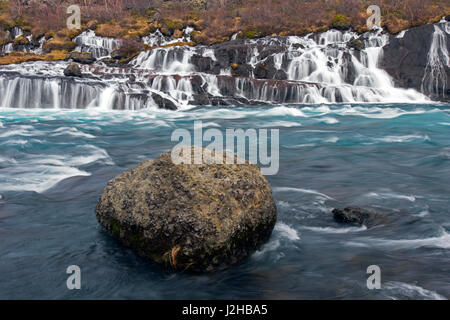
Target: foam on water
x: 307, y: 191
x: 341, y: 171
x: 335, y: 230
x: 281, y: 232
x: 401, y: 139
x: 441, y: 242
x: 286, y: 231
x: 391, y: 195
x: 40, y: 172
x: 410, y: 291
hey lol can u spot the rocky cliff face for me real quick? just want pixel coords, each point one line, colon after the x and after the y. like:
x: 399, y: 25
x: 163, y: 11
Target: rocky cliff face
x: 418, y: 58
x: 330, y: 67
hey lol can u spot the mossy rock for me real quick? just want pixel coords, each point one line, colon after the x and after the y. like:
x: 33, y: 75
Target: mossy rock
x: 249, y: 34
x: 194, y: 217
x: 81, y: 57
x: 177, y: 34
x: 166, y: 31
x: 50, y: 34
x: 21, y: 41
x: 173, y: 25
x: 92, y: 24
x: 340, y: 22
x: 4, y: 41
x: 59, y: 44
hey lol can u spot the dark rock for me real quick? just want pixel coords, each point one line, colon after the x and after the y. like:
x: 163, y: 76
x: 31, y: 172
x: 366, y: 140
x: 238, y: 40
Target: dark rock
x: 113, y: 63
x: 357, y: 216
x: 166, y: 31
x: 203, y: 64
x: 356, y: 44
x: 73, y: 70
x: 82, y: 57
x: 231, y: 52
x: 267, y: 70
x: 348, y: 68
x: 163, y: 103
x: 242, y: 70
x: 280, y: 75
x: 119, y: 54
x: 261, y: 71
x: 201, y: 217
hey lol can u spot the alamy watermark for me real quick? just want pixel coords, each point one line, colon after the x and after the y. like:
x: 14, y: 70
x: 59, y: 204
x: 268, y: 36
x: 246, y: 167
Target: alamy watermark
x: 235, y: 139
x: 374, y: 280
x: 374, y: 21
x: 74, y: 21
x: 74, y: 280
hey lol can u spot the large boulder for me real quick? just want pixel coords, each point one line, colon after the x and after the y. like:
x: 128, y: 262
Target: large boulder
x: 73, y: 70
x: 189, y: 217
x: 358, y: 216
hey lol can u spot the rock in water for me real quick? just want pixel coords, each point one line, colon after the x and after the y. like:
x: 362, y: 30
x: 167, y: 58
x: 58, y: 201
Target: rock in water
x: 357, y: 216
x: 189, y: 217
x: 73, y: 70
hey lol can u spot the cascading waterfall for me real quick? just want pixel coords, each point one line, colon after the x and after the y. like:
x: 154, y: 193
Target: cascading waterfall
x: 434, y: 80
x: 166, y: 60
x: 318, y: 68
x: 31, y: 47
x: 157, y: 39
x: 100, y: 47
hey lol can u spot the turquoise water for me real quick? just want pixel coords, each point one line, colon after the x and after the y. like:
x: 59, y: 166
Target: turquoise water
x: 392, y: 158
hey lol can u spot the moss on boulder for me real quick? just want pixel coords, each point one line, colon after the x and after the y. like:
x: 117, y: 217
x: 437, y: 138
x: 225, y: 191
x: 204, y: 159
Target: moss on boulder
x: 190, y: 217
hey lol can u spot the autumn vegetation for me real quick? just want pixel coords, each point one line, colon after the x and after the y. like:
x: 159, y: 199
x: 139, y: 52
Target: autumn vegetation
x: 213, y: 20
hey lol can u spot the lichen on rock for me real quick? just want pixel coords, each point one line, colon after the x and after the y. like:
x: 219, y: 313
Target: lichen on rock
x: 194, y: 217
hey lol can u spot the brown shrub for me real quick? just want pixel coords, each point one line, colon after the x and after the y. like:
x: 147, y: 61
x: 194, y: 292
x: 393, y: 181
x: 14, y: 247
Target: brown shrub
x: 59, y: 44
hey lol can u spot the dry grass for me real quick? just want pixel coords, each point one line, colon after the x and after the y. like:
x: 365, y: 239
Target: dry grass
x: 111, y: 30
x: 19, y: 57
x: 170, y: 257
x: 214, y: 20
x: 59, y: 44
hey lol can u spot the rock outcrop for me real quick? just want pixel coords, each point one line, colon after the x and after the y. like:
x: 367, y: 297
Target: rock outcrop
x: 189, y: 217
x: 73, y: 70
x: 81, y: 57
x: 414, y: 63
x: 357, y: 216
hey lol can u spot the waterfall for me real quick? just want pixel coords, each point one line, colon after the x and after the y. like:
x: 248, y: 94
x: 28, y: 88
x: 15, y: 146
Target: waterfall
x: 7, y: 48
x: 107, y: 98
x: 157, y: 39
x: 313, y: 69
x: 16, y: 32
x: 434, y: 80
x: 100, y: 47
x: 170, y: 60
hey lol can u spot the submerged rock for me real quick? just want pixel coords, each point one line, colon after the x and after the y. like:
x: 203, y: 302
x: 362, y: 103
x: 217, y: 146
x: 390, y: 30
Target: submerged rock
x: 189, y: 217
x: 73, y: 70
x: 357, y: 216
